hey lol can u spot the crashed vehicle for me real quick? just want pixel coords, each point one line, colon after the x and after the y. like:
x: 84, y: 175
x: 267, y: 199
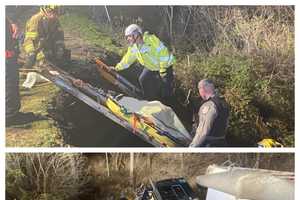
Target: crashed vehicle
x: 225, y: 183
x: 168, y: 189
x: 232, y: 183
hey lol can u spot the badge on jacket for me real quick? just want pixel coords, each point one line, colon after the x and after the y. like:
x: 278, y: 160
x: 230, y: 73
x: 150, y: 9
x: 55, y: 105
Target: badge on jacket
x: 205, y: 109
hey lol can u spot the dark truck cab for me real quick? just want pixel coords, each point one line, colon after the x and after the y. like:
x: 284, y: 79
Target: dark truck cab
x: 168, y: 189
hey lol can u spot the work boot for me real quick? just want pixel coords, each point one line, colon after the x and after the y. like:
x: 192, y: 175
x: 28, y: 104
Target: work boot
x: 21, y: 118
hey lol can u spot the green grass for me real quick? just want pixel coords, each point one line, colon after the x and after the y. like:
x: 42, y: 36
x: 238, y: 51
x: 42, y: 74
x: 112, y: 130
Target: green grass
x: 91, y: 33
x: 40, y: 133
x: 45, y: 133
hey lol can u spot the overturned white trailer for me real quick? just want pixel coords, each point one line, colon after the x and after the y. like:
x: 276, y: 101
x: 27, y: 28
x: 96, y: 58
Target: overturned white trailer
x: 232, y: 183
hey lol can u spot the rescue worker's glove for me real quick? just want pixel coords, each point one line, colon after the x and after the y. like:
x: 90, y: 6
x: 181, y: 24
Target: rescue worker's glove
x: 111, y: 68
x: 42, y: 43
x: 30, y: 60
x: 163, y: 75
x: 45, y: 62
x: 79, y: 83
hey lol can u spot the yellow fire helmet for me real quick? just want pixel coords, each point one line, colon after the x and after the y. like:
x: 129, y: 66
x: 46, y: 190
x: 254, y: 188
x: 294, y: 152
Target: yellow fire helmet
x: 49, y: 8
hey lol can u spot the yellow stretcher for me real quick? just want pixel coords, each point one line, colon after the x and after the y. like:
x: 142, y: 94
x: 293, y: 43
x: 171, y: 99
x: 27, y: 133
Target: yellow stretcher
x: 142, y: 126
x: 140, y: 123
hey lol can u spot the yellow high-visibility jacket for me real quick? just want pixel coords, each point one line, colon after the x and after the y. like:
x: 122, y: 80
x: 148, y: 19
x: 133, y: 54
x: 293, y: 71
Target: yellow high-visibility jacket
x: 42, y: 35
x: 152, y: 54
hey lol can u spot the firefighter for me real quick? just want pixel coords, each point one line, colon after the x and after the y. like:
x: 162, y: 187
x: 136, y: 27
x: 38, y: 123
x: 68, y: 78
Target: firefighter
x: 44, y: 37
x: 156, y: 79
x: 12, y: 99
x: 12, y: 94
x: 213, y: 118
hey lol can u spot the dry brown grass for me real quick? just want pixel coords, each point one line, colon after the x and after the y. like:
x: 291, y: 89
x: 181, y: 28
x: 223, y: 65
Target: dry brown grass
x: 107, y: 176
x: 45, y: 175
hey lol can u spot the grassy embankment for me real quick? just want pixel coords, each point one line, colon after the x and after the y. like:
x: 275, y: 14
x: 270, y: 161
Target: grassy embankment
x: 94, y: 35
x: 252, y: 65
x: 40, y: 133
x: 46, y: 133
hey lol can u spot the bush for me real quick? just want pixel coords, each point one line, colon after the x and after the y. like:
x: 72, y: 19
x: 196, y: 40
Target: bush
x: 248, y: 51
x: 233, y: 78
x: 45, y: 176
x: 252, y: 64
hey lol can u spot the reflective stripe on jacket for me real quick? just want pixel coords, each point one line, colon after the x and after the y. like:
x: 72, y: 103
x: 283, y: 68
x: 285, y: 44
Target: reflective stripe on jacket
x: 153, y: 54
x: 31, y: 40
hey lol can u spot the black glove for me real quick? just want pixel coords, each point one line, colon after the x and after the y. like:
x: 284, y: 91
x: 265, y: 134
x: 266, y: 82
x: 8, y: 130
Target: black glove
x: 30, y: 61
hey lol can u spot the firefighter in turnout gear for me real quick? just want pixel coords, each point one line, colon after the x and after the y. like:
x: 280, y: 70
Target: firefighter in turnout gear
x: 156, y: 80
x: 44, y: 37
x: 12, y: 99
x: 213, y: 118
x: 12, y: 93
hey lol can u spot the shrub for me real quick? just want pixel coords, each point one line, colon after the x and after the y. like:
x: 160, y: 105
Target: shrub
x: 45, y: 176
x: 251, y: 61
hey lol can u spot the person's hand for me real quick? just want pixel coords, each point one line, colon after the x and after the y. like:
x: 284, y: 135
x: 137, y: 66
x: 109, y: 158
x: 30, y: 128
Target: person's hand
x: 163, y: 77
x: 53, y: 72
x: 15, y: 31
x: 29, y: 61
x: 78, y: 83
x: 44, y: 62
x: 111, y: 68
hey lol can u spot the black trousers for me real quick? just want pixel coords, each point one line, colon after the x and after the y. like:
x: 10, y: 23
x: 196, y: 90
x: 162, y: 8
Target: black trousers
x: 12, y: 93
x: 154, y: 87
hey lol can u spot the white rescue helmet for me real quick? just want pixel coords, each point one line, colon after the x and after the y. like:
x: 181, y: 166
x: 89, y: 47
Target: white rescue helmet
x: 133, y: 29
